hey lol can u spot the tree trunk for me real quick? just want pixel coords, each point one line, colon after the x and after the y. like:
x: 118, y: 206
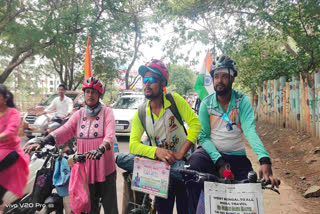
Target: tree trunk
x: 16, y: 61
x: 137, y: 42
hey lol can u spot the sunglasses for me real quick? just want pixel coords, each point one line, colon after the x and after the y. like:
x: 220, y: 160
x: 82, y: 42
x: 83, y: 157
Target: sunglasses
x: 226, y: 118
x: 150, y: 79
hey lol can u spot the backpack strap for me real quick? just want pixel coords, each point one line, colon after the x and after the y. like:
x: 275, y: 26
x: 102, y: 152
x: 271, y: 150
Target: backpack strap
x: 175, y: 111
x: 142, y: 114
x: 173, y: 108
x: 142, y: 117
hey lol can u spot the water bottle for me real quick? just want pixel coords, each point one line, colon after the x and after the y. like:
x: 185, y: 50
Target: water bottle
x: 115, y: 145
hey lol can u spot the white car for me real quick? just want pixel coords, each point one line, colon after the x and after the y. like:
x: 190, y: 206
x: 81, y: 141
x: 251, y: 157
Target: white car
x: 124, y: 109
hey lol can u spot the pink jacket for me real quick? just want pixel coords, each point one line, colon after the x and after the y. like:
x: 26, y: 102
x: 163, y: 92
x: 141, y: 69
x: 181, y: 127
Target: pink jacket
x: 15, y: 177
x: 89, y: 135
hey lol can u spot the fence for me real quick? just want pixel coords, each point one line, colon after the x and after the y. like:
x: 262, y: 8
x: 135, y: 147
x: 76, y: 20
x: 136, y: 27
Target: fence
x: 290, y: 104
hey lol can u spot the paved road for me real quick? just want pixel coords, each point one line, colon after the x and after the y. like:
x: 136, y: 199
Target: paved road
x: 123, y: 143
x: 287, y: 202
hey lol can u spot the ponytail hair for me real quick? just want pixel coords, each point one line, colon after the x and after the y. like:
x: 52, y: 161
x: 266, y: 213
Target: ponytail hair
x: 7, y: 94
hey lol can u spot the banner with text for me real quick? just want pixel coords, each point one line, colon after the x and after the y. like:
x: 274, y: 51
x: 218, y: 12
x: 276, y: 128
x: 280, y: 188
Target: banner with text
x: 233, y: 198
x: 150, y: 176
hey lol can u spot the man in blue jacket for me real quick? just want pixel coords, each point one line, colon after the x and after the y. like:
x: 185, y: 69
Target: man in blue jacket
x: 224, y: 116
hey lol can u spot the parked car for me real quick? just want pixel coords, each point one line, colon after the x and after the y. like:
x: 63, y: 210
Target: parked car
x: 126, y: 93
x: 37, y: 125
x: 124, y: 109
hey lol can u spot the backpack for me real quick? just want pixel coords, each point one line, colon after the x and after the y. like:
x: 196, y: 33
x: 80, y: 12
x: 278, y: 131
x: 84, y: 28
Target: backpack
x: 173, y: 108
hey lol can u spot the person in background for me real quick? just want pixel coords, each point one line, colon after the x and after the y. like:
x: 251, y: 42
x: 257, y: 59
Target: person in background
x: 14, y: 163
x: 62, y: 104
x: 94, y: 128
x: 197, y: 104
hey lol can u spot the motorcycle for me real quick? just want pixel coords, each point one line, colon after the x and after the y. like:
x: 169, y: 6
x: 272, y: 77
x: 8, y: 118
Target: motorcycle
x: 26, y: 204
x: 43, y: 124
x: 52, y: 125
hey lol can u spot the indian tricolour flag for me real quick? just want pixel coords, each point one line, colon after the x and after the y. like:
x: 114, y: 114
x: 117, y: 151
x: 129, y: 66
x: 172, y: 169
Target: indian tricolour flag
x: 204, y: 84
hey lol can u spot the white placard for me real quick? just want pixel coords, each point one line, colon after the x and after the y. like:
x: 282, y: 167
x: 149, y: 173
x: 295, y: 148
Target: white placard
x: 151, y: 176
x: 233, y: 198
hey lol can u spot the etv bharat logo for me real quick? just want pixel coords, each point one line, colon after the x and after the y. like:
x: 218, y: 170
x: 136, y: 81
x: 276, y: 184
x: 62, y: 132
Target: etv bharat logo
x: 207, y: 80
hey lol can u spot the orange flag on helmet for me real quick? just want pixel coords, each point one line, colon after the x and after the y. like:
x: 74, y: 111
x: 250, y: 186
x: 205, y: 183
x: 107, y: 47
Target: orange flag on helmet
x: 87, y: 61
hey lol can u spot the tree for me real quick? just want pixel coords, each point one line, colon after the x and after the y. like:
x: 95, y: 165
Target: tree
x: 181, y: 79
x: 105, y: 70
x: 67, y: 53
x: 296, y: 20
x: 14, y: 45
x: 135, y: 20
x: 50, y: 29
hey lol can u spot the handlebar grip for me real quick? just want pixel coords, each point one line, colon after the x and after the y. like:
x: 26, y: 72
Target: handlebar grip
x: 81, y: 158
x: 201, y: 177
x: 188, y: 172
x: 269, y: 182
x: 39, y: 154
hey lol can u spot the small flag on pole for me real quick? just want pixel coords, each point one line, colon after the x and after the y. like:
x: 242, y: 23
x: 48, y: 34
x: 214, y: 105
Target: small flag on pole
x: 87, y: 61
x: 204, y: 84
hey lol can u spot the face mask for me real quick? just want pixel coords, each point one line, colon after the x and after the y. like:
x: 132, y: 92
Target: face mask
x: 94, y: 111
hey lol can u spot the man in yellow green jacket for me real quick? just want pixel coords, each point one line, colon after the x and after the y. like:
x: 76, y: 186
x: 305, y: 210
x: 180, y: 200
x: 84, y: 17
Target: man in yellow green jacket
x: 168, y: 140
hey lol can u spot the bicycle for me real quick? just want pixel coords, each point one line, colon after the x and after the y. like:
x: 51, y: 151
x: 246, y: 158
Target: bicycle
x: 53, y: 203
x: 138, y: 202
x: 50, y: 202
x: 39, y: 160
x: 199, y: 177
x: 134, y: 201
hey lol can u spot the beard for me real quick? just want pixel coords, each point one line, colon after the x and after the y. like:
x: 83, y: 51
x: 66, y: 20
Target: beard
x: 226, y: 89
x: 153, y: 95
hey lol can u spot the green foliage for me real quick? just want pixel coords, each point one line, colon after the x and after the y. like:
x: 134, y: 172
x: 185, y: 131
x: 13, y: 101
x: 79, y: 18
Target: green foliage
x: 261, y: 57
x: 256, y: 34
x: 181, y: 79
x: 58, y: 31
x: 266, y: 38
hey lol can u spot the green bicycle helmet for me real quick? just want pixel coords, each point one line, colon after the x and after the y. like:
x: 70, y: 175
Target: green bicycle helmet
x: 223, y: 62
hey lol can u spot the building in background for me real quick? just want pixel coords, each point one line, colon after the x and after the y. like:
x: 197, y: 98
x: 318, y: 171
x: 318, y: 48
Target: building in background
x: 33, y: 84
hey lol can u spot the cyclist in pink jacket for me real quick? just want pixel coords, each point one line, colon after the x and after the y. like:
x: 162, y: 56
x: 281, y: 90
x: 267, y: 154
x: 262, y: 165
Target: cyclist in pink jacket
x: 14, y: 169
x: 94, y: 128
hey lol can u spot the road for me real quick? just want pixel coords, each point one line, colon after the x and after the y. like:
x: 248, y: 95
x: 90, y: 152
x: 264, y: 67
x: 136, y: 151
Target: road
x: 123, y: 143
x: 287, y: 202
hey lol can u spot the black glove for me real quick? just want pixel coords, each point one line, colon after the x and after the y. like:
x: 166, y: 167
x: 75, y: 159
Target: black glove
x: 49, y: 139
x: 97, y: 153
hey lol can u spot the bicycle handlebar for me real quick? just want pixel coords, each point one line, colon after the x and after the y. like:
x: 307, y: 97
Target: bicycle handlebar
x: 200, y: 177
x: 81, y: 158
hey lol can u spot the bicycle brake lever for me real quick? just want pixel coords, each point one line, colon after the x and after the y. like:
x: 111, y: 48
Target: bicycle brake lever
x: 186, y: 166
x: 271, y: 188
